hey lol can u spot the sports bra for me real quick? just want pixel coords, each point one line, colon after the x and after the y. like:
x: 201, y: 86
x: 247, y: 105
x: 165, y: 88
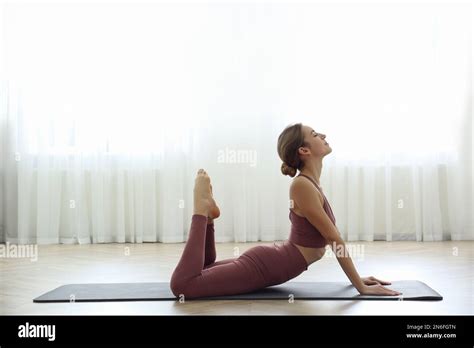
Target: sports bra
x: 303, y: 232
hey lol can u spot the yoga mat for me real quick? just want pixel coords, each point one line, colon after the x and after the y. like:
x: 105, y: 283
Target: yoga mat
x: 413, y: 290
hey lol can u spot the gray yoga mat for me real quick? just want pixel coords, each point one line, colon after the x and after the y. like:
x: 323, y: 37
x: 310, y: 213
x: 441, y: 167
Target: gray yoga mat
x: 413, y: 290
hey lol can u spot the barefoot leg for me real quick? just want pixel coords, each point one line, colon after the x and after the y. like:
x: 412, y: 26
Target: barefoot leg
x: 214, y: 213
x: 192, y: 260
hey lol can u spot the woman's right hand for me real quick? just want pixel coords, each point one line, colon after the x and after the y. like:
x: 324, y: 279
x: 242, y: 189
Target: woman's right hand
x: 378, y: 289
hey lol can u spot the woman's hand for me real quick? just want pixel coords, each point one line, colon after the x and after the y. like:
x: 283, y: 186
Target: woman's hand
x: 374, y: 286
x: 378, y: 290
x: 374, y: 281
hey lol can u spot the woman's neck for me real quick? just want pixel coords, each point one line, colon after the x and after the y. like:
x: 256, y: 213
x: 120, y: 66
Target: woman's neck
x: 313, y: 170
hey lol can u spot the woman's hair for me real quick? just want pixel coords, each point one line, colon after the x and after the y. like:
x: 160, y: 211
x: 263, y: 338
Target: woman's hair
x: 289, y: 141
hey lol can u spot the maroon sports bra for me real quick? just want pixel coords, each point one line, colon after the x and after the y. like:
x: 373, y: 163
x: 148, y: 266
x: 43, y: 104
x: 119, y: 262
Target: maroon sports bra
x: 303, y: 232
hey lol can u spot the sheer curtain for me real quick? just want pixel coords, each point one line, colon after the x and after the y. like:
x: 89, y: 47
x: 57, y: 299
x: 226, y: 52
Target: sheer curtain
x: 108, y: 110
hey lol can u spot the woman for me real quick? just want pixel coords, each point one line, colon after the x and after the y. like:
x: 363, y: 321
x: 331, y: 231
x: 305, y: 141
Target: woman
x: 313, y: 227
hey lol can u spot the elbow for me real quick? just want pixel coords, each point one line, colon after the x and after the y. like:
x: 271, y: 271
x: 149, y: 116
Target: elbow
x: 334, y: 239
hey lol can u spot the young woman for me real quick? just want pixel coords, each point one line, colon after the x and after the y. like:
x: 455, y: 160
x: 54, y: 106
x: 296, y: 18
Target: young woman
x: 313, y: 227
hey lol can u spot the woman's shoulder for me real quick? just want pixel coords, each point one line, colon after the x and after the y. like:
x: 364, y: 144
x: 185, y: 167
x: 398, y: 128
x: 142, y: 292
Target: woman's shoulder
x: 301, y: 184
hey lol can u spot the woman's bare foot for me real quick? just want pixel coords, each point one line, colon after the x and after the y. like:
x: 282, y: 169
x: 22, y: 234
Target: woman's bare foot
x: 214, y: 211
x: 202, y: 194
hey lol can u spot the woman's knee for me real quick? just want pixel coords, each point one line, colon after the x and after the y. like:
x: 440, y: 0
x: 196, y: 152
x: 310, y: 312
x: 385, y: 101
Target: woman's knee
x: 177, y: 286
x: 183, y: 288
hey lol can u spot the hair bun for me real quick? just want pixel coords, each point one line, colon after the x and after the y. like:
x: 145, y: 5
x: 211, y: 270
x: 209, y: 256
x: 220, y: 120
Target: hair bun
x: 287, y: 170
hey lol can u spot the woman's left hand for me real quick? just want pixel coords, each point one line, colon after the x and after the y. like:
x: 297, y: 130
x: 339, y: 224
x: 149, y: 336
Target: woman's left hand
x: 374, y: 281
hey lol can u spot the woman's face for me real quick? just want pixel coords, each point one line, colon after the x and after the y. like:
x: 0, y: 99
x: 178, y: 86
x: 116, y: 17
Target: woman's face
x: 318, y: 145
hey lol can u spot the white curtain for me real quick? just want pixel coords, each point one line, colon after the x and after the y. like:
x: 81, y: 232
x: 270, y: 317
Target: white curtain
x: 108, y: 110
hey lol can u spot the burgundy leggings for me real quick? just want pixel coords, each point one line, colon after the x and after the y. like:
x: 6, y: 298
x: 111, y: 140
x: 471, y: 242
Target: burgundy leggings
x: 197, y: 275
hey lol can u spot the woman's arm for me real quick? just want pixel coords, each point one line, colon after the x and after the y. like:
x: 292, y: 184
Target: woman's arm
x: 306, y: 197
x: 339, y: 248
x: 361, y: 284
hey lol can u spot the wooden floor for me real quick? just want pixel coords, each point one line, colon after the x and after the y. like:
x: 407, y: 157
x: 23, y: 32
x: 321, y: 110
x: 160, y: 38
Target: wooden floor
x: 445, y: 266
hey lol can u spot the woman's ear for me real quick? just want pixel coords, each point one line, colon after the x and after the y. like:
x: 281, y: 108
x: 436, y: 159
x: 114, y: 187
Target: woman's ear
x: 303, y: 150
